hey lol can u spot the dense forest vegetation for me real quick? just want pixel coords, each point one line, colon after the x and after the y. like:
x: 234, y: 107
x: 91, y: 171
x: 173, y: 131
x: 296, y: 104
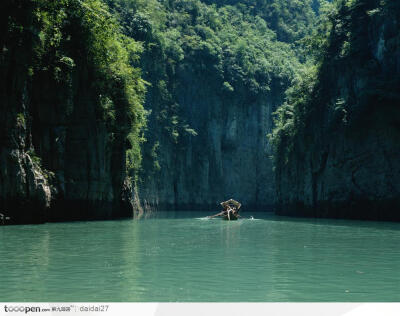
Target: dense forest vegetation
x: 230, y: 45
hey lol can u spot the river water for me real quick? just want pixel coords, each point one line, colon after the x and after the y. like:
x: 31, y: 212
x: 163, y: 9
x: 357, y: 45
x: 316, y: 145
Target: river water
x: 184, y: 257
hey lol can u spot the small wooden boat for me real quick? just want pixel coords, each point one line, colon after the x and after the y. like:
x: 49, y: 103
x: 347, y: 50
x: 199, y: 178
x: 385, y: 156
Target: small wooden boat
x: 230, y: 212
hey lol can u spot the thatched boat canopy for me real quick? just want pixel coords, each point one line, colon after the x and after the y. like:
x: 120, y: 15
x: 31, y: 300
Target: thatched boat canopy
x: 231, y: 203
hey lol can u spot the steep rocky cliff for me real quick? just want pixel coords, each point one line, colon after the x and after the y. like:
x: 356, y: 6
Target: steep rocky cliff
x: 228, y: 157
x: 338, y: 152
x: 62, y: 155
x: 216, y: 74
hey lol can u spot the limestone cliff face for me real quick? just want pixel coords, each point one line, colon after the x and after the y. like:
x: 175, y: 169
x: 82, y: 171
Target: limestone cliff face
x: 346, y: 161
x: 228, y: 158
x: 58, y: 159
x: 58, y: 162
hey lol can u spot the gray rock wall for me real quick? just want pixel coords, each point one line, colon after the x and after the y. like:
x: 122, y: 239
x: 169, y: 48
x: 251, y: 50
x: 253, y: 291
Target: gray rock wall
x: 229, y: 157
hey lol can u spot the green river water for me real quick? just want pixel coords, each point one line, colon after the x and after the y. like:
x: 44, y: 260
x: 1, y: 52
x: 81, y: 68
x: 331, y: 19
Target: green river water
x: 183, y: 257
